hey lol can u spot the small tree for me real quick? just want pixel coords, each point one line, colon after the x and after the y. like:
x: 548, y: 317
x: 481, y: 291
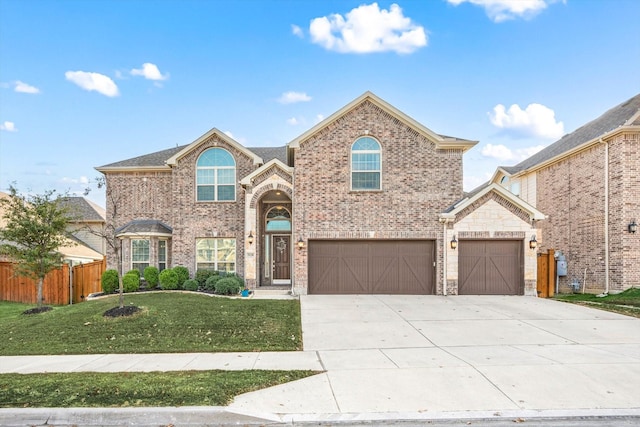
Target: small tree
x: 108, y: 232
x: 35, y: 229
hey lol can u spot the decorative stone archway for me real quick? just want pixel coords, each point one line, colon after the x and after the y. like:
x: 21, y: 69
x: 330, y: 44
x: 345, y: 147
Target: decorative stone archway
x: 275, y: 181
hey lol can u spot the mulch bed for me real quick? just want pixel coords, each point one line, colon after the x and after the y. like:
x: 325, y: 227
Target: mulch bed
x: 37, y: 310
x: 127, y: 310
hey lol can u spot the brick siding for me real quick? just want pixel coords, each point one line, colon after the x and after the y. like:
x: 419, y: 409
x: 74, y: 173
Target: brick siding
x: 418, y: 183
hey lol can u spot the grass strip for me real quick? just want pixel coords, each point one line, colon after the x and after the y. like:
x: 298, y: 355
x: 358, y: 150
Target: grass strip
x: 627, y: 302
x: 185, y: 388
x: 169, y: 322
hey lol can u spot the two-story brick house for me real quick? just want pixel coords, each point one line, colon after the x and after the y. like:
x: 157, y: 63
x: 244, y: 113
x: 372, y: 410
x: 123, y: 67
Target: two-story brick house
x: 588, y: 184
x: 363, y: 202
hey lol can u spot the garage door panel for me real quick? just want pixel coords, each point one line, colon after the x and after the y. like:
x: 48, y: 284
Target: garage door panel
x: 490, y: 267
x: 355, y: 271
x: 373, y: 267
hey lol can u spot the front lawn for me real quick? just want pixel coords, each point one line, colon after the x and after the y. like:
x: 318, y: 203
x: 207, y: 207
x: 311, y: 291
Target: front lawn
x: 190, y: 388
x: 627, y: 302
x: 169, y: 322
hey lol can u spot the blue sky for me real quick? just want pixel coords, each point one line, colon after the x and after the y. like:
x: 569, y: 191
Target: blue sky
x: 87, y: 83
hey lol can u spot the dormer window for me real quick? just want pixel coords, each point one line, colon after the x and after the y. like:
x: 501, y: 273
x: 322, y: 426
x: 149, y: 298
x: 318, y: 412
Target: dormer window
x: 365, y: 165
x: 216, y: 176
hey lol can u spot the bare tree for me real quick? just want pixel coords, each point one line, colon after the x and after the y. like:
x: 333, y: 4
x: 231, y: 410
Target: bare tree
x: 108, y: 232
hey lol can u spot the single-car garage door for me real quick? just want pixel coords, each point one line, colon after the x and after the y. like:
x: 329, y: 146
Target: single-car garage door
x: 371, y: 267
x: 490, y: 267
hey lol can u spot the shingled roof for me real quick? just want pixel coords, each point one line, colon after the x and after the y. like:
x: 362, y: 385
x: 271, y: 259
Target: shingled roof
x: 159, y: 158
x: 617, y: 116
x: 82, y: 209
x: 144, y: 226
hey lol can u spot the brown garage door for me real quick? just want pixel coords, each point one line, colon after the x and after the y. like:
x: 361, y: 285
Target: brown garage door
x: 371, y: 267
x: 490, y: 267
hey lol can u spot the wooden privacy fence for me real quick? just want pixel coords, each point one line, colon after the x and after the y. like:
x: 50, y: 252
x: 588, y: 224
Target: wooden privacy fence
x: 87, y: 279
x: 55, y: 289
x: 546, y: 274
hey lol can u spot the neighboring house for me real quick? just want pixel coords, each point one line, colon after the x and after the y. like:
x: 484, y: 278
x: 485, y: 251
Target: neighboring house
x: 77, y: 250
x: 365, y: 202
x: 88, y: 223
x: 588, y: 183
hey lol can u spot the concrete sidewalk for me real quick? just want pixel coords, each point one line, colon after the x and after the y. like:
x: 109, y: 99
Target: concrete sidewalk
x: 419, y: 358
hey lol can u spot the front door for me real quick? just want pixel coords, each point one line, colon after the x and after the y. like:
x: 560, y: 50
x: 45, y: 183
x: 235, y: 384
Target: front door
x: 281, y: 253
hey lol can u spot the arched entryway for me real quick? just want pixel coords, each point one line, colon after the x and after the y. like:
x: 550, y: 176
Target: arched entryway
x: 275, y: 260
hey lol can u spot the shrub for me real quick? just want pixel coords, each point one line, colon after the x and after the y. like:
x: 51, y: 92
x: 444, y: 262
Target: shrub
x: 151, y: 276
x: 210, y: 284
x: 190, y: 285
x: 168, y: 279
x: 130, y: 282
x: 239, y: 279
x: 202, y: 276
x: 134, y: 271
x: 228, y: 286
x: 109, y: 281
x: 183, y: 274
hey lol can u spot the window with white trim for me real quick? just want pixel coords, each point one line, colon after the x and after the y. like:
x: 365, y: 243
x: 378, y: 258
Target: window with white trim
x: 216, y: 254
x: 365, y: 164
x: 139, y: 254
x: 162, y: 255
x: 215, y: 176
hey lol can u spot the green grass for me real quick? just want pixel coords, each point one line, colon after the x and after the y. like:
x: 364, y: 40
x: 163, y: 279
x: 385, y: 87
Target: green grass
x: 627, y: 302
x: 169, y: 322
x: 189, y: 388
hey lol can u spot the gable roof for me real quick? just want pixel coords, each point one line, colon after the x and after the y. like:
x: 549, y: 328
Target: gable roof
x: 223, y: 136
x: 159, y: 159
x: 624, y: 115
x: 451, y: 212
x: 441, y: 141
x: 84, y: 210
x: 273, y: 162
x: 153, y: 161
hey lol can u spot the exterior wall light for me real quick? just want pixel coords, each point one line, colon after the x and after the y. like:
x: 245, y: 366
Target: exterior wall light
x: 250, y: 238
x: 300, y: 243
x: 633, y: 226
x: 533, y: 243
x: 454, y: 242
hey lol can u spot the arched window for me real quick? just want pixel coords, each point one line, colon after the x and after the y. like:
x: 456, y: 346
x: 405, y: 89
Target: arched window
x: 278, y: 219
x: 216, y: 176
x: 365, y: 164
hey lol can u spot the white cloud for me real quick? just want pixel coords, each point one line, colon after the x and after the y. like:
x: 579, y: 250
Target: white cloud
x: 319, y: 118
x: 503, y: 153
x: 292, y: 121
x: 536, y: 120
x: 8, y: 126
x: 297, y: 31
x: 367, y: 29
x: 81, y: 180
x: 23, y: 87
x: 471, y: 182
x: 293, y: 97
x: 504, y: 10
x: 150, y: 72
x: 93, y: 81
x: 228, y: 133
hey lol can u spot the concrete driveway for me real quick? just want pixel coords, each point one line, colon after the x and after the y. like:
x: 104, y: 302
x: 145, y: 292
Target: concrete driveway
x: 417, y: 356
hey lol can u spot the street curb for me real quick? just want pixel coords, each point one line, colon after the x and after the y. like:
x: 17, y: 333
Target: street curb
x: 221, y: 416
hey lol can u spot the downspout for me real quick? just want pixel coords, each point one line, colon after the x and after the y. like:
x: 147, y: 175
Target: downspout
x: 606, y: 217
